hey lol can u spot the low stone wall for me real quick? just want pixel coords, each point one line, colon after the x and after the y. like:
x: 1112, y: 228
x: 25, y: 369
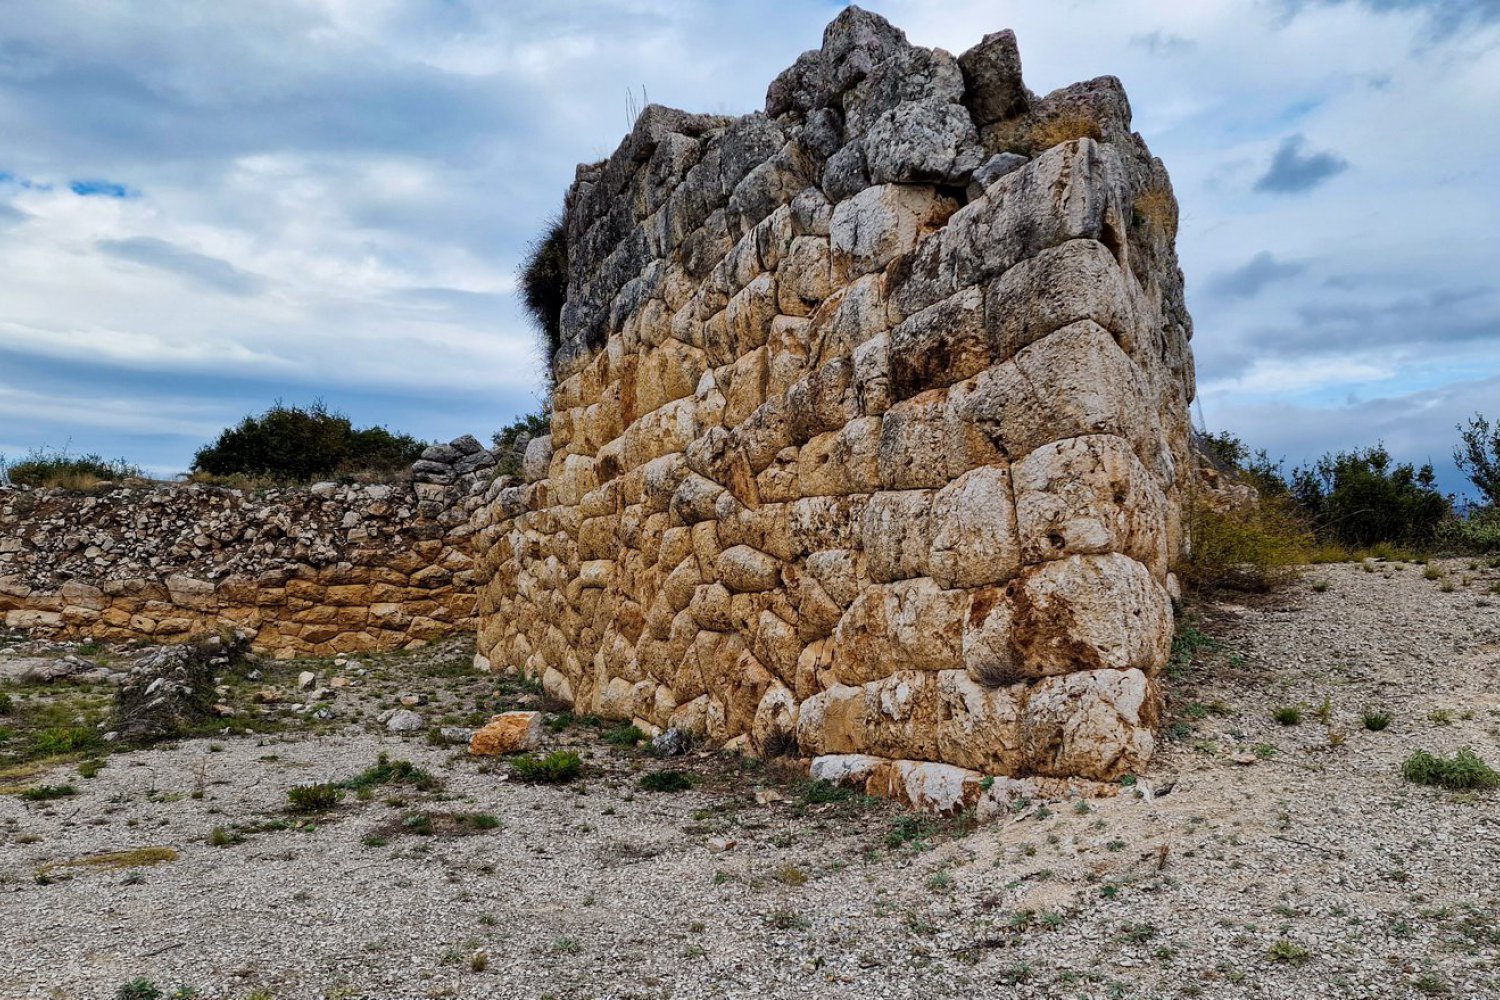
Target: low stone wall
x: 307, y: 571
x: 870, y: 427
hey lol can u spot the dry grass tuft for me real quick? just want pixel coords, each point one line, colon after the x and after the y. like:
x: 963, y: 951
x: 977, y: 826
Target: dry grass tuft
x: 1256, y: 547
x: 141, y: 857
x: 1065, y: 126
x: 1156, y: 208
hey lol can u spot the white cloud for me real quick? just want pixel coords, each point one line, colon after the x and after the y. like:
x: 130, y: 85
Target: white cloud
x: 335, y: 193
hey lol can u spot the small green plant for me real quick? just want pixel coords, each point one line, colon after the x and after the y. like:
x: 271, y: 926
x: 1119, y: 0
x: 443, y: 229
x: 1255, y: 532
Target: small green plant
x: 484, y: 821
x: 666, y: 781
x: 1288, y: 952
x: 222, y: 836
x: 1464, y: 770
x: 6, y: 705
x: 567, y: 946
x: 785, y: 919
x: 1375, y: 721
x: 89, y: 769
x: 1287, y: 715
x: 625, y: 736
x: 419, y: 824
x: 820, y: 792
x: 45, y: 793
x: 940, y: 882
x: 314, y: 798
x: 63, y: 739
x: 392, y: 772
x: 1440, y: 717
x: 139, y: 989
x: 557, y: 768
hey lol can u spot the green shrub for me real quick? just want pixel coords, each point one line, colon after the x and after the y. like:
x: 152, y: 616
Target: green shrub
x: 507, y: 439
x: 1287, y: 715
x: 1360, y: 498
x: 293, y: 444
x: 392, y: 772
x: 666, y: 781
x: 1255, y: 548
x: 1463, y: 770
x: 64, y: 739
x: 314, y: 798
x: 45, y: 793
x: 6, y: 705
x: 139, y: 989
x: 625, y: 736
x: 819, y: 792
x: 544, y: 285
x: 1376, y: 721
x: 1476, y: 532
x: 557, y: 768
x: 50, y: 467
x: 1478, y: 456
x: 1288, y: 952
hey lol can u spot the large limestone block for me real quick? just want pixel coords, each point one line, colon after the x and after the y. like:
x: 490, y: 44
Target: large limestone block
x: 1094, y: 724
x: 980, y: 726
x: 1078, y: 280
x: 1074, y: 382
x: 1088, y: 495
x: 1077, y: 613
x: 942, y: 344
x: 973, y: 529
x: 508, y: 732
x: 908, y: 625
x: 1072, y: 191
x: 842, y: 462
x: 874, y: 227
x: 897, y: 530
x: 746, y: 570
x: 923, y: 141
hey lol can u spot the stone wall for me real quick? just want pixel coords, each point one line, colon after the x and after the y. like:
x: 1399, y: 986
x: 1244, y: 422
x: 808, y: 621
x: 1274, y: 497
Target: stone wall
x: 869, y: 428
x: 306, y: 571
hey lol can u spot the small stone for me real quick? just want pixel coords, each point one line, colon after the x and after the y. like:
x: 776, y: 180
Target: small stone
x: 404, y: 721
x: 721, y: 843
x: 413, y: 700
x: 670, y: 743
x: 306, y: 680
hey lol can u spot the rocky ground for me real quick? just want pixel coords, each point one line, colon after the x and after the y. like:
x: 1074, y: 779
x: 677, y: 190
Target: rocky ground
x: 1256, y: 859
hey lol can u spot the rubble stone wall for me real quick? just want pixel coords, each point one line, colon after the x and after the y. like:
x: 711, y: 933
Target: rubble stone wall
x: 870, y: 422
x: 305, y: 571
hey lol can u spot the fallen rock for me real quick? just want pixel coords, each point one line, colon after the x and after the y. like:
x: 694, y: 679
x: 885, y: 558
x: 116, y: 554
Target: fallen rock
x: 306, y: 680
x: 670, y: 743
x: 506, y: 733
x: 402, y: 720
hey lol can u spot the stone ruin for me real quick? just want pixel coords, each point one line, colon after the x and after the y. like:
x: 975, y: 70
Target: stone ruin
x: 869, y: 431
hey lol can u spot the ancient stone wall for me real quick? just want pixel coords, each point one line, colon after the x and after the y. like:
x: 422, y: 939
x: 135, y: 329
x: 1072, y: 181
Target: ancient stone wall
x: 306, y: 571
x: 869, y: 427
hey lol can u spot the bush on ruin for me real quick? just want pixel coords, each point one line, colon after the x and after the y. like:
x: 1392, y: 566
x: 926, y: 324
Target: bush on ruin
x: 296, y: 445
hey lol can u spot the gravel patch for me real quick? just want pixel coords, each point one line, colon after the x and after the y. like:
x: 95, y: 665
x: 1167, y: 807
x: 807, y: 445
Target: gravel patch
x: 1255, y: 860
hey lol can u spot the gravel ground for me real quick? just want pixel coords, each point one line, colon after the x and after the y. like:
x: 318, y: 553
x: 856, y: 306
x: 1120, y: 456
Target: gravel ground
x: 1255, y: 860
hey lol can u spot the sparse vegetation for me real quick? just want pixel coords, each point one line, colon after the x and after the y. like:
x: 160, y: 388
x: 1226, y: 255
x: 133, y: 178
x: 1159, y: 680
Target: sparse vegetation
x: 544, y: 286
x: 44, y: 793
x: 1288, y: 952
x: 1464, y: 770
x: 1287, y: 715
x: 314, y: 798
x: 51, y: 468
x: 1375, y: 721
x: 296, y: 445
x: 557, y: 768
x: 666, y: 781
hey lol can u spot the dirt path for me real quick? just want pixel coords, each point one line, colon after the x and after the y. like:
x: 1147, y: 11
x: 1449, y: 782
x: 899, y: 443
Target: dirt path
x: 1255, y: 860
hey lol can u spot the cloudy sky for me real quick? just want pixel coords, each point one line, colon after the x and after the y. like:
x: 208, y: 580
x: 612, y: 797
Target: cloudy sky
x: 208, y: 207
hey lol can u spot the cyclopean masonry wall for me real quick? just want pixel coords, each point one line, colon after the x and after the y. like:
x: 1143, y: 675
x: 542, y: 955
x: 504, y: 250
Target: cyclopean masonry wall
x: 869, y: 427
x: 306, y: 571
